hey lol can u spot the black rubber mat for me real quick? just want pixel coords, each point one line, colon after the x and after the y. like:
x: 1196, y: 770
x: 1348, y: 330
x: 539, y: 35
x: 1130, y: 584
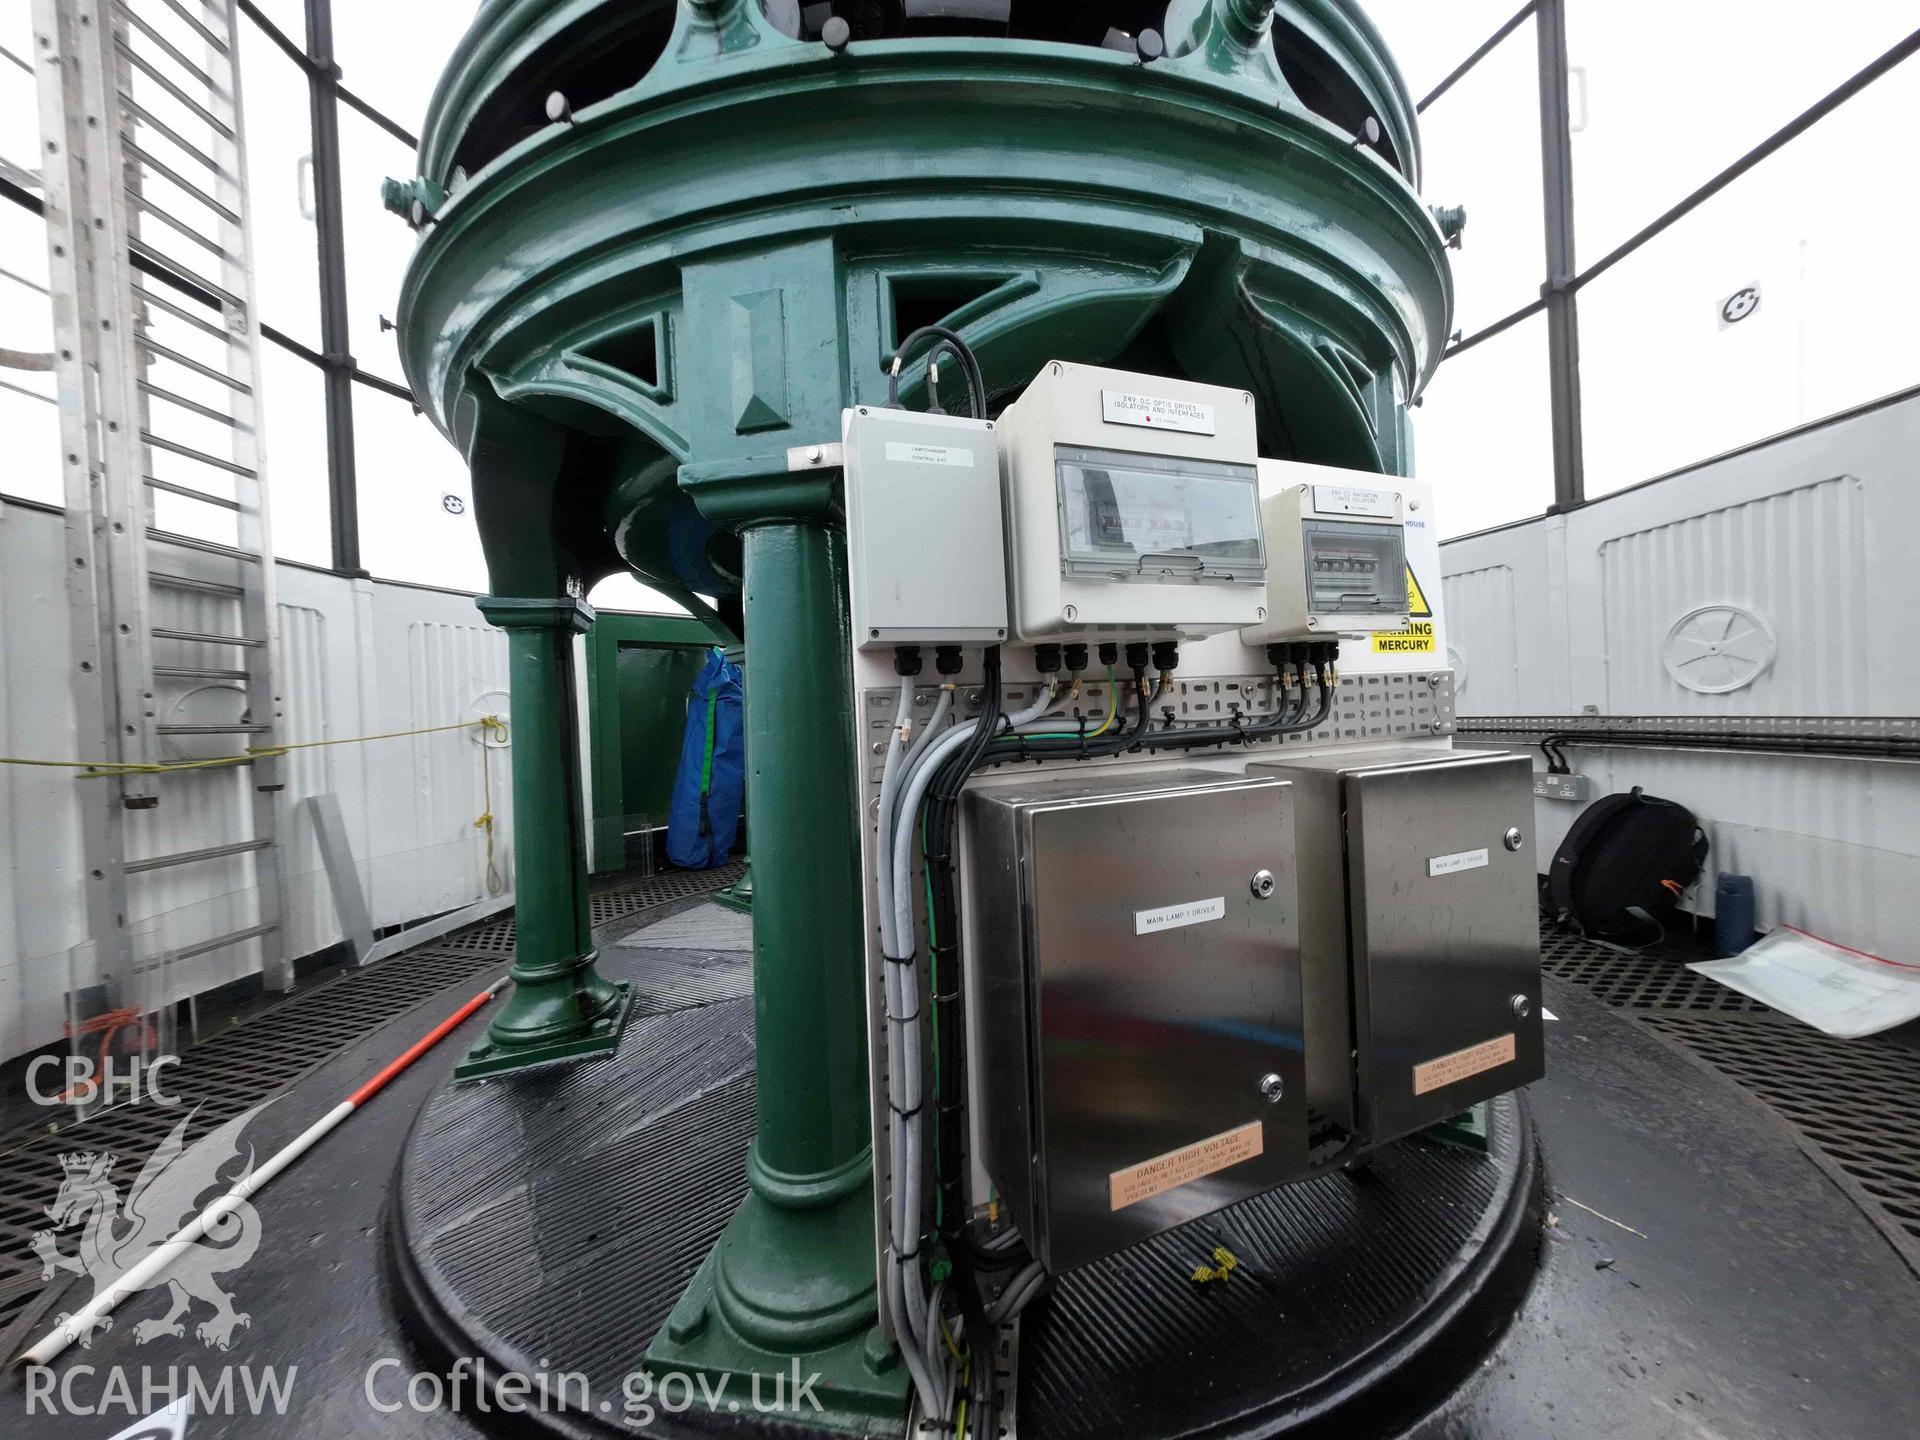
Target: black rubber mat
x: 558, y: 1215
x: 1360, y: 1302
x: 609, y: 903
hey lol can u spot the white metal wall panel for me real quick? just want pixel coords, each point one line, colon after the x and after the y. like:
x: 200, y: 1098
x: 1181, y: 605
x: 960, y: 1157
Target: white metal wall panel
x: 357, y: 658
x: 1812, y: 532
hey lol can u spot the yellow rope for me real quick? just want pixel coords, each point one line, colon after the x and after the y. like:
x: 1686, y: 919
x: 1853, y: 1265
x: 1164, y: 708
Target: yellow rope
x: 485, y: 822
x: 98, y: 768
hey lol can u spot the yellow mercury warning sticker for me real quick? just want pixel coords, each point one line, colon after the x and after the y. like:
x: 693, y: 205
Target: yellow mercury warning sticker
x: 1180, y: 1167
x: 1417, y: 638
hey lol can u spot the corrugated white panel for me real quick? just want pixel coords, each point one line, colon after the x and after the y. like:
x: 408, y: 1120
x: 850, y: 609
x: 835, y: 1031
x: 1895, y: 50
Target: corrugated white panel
x: 357, y: 658
x: 1771, y: 586
x: 1810, y: 533
x: 1486, y: 667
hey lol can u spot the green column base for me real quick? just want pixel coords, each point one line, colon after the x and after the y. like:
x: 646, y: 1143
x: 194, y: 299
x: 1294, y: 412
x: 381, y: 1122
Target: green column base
x: 493, y: 1057
x: 1465, y: 1131
x: 739, y: 895
x: 790, y: 1284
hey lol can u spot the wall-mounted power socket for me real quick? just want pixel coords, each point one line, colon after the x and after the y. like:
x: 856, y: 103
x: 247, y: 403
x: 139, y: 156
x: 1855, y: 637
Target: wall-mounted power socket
x: 1562, y: 787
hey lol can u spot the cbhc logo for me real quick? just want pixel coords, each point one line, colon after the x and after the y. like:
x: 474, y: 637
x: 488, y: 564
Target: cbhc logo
x: 135, y: 1078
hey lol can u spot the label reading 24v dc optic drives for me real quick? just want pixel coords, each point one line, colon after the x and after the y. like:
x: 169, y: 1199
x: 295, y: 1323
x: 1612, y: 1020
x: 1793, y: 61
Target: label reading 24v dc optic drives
x: 1156, y: 412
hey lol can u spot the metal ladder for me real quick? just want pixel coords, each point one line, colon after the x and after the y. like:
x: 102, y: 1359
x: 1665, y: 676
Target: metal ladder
x: 148, y: 229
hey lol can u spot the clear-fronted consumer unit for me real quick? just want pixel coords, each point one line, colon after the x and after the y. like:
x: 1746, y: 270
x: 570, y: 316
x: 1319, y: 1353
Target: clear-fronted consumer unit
x: 1419, y: 932
x: 1135, y: 994
x: 925, y: 544
x: 1336, y: 553
x: 1133, y: 507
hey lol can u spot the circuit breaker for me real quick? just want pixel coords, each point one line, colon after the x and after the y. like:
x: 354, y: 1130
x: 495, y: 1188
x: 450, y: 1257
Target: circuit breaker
x: 1337, y: 553
x: 925, y: 543
x: 1133, y: 507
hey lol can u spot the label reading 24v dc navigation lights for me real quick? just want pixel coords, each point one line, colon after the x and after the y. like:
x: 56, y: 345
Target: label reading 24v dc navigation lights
x: 905, y: 454
x: 1346, y: 500
x: 1172, y: 917
x: 1155, y: 412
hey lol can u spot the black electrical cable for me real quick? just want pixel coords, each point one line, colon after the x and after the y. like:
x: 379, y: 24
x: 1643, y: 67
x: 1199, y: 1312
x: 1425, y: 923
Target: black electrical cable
x: 969, y: 363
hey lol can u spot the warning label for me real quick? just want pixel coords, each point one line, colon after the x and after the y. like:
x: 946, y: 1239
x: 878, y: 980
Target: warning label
x: 1463, y: 1064
x: 1182, y: 1166
x: 1417, y: 638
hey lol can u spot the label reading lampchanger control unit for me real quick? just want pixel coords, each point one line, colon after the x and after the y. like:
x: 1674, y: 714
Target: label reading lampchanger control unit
x: 901, y: 453
x: 1172, y: 917
x: 1463, y: 1064
x: 1183, y: 1166
x: 1155, y: 412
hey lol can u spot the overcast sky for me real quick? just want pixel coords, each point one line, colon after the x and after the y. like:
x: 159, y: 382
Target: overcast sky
x: 1664, y: 95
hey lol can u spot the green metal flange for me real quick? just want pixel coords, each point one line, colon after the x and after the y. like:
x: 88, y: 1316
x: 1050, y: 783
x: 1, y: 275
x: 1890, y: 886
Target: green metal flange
x: 1465, y: 1131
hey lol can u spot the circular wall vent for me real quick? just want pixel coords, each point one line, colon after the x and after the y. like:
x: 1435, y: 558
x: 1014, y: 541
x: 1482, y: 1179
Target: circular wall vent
x: 1717, y: 648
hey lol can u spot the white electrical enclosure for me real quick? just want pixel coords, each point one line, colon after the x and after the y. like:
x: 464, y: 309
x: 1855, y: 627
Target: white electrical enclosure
x: 926, y: 550
x: 1132, y: 507
x: 1336, y: 552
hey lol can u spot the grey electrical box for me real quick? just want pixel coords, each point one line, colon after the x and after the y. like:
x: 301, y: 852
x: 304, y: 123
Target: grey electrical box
x: 926, y: 547
x: 1419, y: 932
x: 1136, y: 997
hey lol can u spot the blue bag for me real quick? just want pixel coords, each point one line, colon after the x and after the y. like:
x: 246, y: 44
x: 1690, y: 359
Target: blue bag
x: 704, y: 814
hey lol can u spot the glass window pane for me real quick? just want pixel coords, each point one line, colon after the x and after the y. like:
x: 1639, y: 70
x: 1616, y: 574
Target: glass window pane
x: 1428, y: 41
x: 29, y: 418
x: 1668, y: 95
x: 279, y: 135
x: 416, y: 516
x: 391, y: 56
x: 1481, y: 142
x: 1483, y: 435
x: 1668, y: 381
x: 294, y: 441
x: 379, y: 243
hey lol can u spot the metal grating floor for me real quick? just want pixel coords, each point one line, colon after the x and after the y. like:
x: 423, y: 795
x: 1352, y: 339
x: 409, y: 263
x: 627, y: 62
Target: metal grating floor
x: 1850, y: 1101
x: 237, y: 1068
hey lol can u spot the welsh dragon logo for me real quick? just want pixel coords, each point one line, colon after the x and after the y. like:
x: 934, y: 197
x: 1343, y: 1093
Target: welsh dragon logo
x: 171, y: 1188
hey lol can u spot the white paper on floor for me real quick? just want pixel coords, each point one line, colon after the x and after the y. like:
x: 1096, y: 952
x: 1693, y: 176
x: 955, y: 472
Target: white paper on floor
x: 1845, y: 993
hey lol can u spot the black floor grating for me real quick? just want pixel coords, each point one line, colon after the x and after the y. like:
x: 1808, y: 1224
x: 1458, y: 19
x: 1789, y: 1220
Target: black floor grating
x: 1657, y: 979
x: 1854, y: 1100
x: 233, y: 1069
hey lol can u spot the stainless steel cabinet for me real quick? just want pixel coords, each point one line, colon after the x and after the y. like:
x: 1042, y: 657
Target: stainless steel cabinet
x: 1134, y: 949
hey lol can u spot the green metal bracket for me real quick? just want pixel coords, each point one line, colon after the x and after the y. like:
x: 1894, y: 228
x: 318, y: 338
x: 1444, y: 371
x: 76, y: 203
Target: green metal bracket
x: 1465, y: 1131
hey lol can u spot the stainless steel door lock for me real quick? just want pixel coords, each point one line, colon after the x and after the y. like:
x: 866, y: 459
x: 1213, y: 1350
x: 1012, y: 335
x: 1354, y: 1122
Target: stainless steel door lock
x: 1272, y: 1089
x: 1513, y: 839
x: 1263, y: 884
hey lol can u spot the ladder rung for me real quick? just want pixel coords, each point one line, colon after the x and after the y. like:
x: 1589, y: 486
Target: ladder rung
x: 160, y: 392
x: 218, y: 42
x: 193, y: 637
x: 193, y: 857
x: 161, y: 443
x: 209, y: 547
x: 220, y: 942
x: 154, y: 482
x: 201, y: 587
x: 211, y: 729
x: 147, y: 207
x: 173, y: 267
x: 159, y: 302
x: 169, y: 173
x: 198, y: 672
x: 147, y: 68
x: 165, y: 46
x: 153, y: 122
x: 154, y: 347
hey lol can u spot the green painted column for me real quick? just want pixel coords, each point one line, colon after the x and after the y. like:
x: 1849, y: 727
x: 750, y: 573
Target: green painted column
x: 793, y: 1275
x: 560, y: 1007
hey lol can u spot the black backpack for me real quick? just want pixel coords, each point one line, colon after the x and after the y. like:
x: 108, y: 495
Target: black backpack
x: 1623, y: 867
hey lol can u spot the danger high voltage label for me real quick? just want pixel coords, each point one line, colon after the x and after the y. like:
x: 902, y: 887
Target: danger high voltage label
x: 1417, y: 638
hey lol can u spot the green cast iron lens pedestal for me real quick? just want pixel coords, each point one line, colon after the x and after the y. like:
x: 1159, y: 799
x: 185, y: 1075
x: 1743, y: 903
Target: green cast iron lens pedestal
x: 629, y: 318
x: 560, y: 1007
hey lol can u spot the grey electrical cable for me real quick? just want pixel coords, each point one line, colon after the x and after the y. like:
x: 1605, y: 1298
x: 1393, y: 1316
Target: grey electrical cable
x: 932, y: 727
x: 1019, y: 1291
x: 889, y: 778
